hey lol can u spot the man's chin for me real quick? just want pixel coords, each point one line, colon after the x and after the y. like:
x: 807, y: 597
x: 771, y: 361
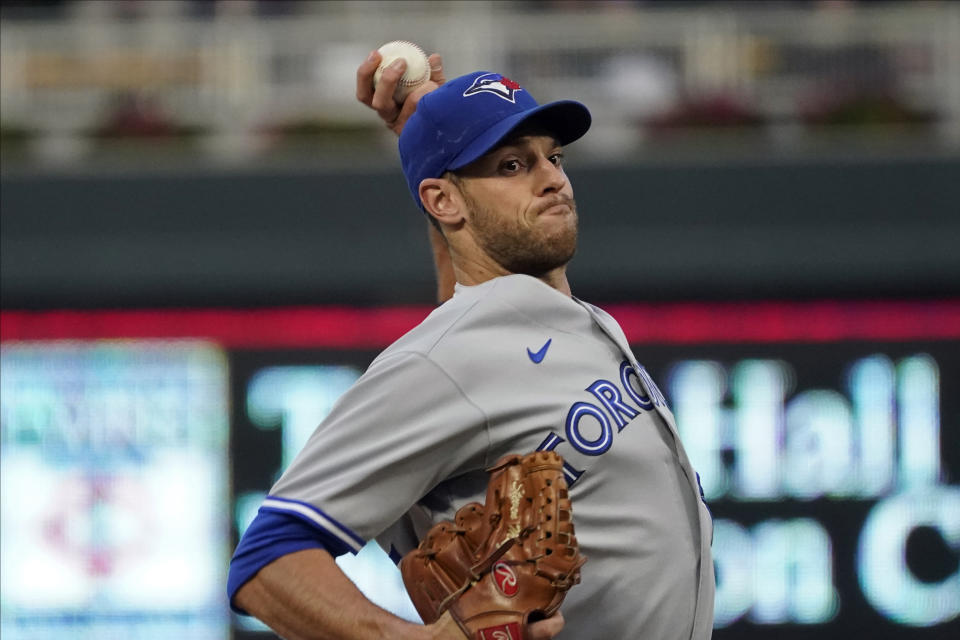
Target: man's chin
x: 557, y: 228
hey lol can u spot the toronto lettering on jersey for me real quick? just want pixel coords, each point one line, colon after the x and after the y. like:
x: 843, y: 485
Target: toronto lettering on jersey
x: 611, y: 409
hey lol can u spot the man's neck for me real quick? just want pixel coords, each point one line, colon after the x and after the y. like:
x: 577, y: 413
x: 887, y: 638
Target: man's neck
x: 474, y: 273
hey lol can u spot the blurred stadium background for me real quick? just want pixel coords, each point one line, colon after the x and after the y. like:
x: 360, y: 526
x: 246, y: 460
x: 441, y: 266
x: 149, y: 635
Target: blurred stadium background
x: 205, y: 239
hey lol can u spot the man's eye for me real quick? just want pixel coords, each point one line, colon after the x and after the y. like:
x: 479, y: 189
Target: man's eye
x: 510, y: 165
x: 557, y: 159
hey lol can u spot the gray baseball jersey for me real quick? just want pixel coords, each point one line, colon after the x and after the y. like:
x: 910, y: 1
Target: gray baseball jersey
x: 510, y: 366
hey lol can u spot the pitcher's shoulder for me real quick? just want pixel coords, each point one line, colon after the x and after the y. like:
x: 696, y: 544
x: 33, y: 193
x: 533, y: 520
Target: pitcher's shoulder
x: 445, y: 320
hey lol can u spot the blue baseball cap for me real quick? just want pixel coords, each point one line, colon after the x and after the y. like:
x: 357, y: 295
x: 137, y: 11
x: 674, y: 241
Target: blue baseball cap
x: 468, y: 116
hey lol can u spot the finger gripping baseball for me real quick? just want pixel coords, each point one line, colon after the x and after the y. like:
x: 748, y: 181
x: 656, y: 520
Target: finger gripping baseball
x: 505, y: 563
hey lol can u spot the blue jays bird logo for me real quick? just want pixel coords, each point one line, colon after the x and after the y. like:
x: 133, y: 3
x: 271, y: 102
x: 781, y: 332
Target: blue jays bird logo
x: 498, y: 85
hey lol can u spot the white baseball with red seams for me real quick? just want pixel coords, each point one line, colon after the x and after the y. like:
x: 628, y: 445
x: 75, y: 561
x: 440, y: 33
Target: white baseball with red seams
x: 416, y: 73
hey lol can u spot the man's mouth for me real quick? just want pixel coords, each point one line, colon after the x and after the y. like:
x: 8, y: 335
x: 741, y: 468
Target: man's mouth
x: 556, y: 206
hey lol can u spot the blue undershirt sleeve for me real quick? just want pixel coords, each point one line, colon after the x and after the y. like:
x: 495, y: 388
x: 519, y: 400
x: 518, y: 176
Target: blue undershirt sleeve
x: 270, y: 536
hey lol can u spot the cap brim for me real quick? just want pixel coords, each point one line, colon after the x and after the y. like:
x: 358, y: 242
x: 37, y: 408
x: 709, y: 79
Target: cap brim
x: 568, y: 120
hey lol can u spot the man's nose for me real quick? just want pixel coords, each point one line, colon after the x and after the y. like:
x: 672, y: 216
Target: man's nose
x: 550, y: 177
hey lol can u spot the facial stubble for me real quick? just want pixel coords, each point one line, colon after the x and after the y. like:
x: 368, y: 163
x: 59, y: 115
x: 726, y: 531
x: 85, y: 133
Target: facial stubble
x: 533, y: 250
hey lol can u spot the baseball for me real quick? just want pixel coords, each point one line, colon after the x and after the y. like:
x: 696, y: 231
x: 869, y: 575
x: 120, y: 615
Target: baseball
x: 418, y: 68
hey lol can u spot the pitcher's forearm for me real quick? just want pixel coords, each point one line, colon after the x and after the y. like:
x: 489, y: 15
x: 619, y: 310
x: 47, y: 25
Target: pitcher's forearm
x: 305, y: 596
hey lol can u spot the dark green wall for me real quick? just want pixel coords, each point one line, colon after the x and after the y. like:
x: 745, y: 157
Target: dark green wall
x: 783, y: 229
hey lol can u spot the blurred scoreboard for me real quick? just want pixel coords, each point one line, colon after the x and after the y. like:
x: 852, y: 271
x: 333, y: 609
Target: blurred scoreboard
x: 136, y: 446
x: 115, y: 490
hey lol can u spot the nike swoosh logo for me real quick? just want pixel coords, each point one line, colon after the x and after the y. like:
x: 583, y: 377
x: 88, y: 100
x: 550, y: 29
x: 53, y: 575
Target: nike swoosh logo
x: 537, y: 357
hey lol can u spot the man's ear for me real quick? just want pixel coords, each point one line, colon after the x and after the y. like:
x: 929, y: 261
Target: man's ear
x: 442, y: 200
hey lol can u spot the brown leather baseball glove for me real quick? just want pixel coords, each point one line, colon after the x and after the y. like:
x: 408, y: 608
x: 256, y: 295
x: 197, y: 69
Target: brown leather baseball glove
x: 503, y: 564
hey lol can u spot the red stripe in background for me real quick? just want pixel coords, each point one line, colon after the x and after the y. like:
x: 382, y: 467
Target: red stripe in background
x: 650, y: 323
